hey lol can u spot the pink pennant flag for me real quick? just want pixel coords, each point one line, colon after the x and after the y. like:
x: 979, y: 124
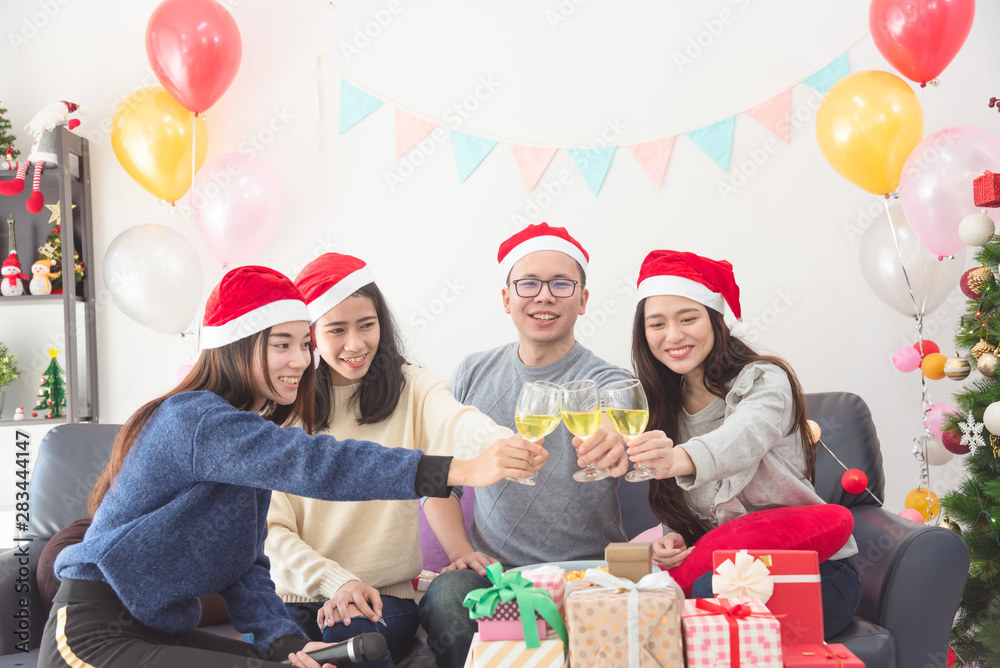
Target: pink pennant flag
x: 409, y: 131
x: 775, y: 115
x: 532, y: 162
x: 654, y: 156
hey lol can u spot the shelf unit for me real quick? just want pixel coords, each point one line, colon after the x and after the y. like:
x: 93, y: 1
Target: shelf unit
x: 69, y: 184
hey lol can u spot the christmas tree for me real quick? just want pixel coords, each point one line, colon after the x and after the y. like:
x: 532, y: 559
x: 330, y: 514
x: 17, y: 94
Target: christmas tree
x: 52, y: 251
x: 975, y: 505
x: 7, y: 138
x: 52, y: 393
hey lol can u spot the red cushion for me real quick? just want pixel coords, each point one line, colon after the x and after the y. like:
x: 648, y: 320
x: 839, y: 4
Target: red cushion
x: 825, y: 529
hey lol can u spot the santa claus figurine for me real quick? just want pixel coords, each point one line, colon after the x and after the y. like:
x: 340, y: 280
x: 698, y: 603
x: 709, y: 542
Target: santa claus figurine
x: 43, y: 150
x: 11, y: 277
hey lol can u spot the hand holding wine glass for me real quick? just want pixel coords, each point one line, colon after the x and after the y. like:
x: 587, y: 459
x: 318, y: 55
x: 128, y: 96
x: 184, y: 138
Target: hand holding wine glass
x: 628, y: 410
x: 536, y: 415
x: 581, y: 413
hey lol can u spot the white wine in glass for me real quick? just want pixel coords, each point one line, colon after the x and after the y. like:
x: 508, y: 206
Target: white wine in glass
x: 581, y: 413
x: 536, y: 415
x: 628, y: 412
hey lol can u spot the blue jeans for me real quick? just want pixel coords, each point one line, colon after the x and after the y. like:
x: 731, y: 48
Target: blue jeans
x: 399, y: 614
x: 840, y: 587
x: 446, y: 621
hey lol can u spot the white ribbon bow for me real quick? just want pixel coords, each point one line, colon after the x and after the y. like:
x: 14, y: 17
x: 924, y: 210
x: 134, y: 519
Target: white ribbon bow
x: 659, y: 581
x: 746, y: 577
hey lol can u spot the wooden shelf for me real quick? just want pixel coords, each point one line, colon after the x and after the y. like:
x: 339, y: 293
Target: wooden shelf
x: 36, y: 299
x: 30, y: 420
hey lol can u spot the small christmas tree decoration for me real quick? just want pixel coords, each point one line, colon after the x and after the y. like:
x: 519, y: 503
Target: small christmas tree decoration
x: 981, y: 349
x: 52, y: 393
x: 972, y: 432
x: 7, y: 138
x: 991, y: 418
x: 986, y: 189
x: 957, y: 368
x: 854, y: 481
x: 978, y: 279
x: 52, y: 251
x: 952, y: 441
x: 976, y: 229
x: 987, y: 364
x: 933, y: 366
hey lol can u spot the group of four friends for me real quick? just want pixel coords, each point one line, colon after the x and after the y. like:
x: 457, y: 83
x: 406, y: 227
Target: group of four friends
x: 185, y: 507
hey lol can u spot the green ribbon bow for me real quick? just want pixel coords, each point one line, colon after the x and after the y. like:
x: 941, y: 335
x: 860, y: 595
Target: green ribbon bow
x: 530, y: 599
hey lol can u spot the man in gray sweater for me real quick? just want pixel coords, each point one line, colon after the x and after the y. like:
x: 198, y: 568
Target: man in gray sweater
x: 557, y: 519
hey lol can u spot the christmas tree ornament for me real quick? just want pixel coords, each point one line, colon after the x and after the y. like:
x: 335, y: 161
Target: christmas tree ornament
x: 40, y: 283
x: 976, y: 229
x: 972, y: 435
x: 7, y: 138
x: 957, y: 368
x: 10, y: 283
x: 986, y: 189
x: 925, y: 502
x: 52, y: 251
x: 926, y: 347
x: 912, y: 515
x: 932, y: 366
x: 937, y: 454
x: 949, y: 524
x: 906, y: 359
x: 55, y: 213
x: 963, y: 284
x: 978, y: 279
x: 981, y: 348
x: 991, y: 418
x: 52, y: 393
x: 854, y: 481
x: 952, y: 441
x: 987, y: 365
x: 814, y: 431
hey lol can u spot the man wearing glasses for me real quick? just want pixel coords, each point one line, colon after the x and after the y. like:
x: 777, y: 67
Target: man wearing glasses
x: 557, y: 519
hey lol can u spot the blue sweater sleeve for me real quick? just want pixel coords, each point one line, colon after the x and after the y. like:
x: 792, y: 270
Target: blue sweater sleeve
x: 241, y: 448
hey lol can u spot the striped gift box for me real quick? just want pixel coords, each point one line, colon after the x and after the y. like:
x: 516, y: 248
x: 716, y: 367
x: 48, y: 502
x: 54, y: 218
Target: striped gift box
x: 707, y: 636
x: 513, y: 653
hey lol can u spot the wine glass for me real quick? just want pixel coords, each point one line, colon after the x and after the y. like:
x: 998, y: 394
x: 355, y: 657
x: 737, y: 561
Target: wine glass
x: 536, y: 416
x: 581, y: 413
x: 628, y: 410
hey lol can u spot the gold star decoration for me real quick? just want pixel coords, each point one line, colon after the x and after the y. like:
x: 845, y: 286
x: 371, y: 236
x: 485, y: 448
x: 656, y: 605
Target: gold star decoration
x: 53, y: 352
x: 56, y: 217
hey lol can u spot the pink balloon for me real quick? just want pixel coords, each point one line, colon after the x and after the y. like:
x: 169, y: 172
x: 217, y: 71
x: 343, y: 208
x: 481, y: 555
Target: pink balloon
x: 195, y: 49
x: 936, y: 186
x: 183, y: 371
x: 936, y: 415
x: 237, y: 204
x: 912, y: 515
x: 906, y: 359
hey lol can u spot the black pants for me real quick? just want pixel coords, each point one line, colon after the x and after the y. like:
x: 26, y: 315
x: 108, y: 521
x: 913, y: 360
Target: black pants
x: 90, y: 628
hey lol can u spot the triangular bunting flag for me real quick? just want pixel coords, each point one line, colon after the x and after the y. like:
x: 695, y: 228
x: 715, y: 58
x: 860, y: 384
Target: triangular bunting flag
x: 716, y: 140
x: 531, y: 162
x: 355, y: 104
x: 593, y: 164
x: 469, y: 152
x: 775, y: 115
x: 829, y: 75
x: 409, y: 131
x: 653, y: 156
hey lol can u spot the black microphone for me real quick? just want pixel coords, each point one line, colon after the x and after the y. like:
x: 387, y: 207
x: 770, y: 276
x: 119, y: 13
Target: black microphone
x: 359, y: 649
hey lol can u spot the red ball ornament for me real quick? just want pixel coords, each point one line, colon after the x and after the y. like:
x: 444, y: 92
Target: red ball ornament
x: 951, y: 657
x: 952, y: 442
x: 929, y: 347
x: 854, y: 481
x: 34, y: 415
x: 963, y: 283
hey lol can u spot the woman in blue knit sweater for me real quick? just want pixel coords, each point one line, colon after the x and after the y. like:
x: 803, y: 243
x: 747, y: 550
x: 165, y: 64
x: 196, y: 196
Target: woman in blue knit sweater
x: 181, y: 508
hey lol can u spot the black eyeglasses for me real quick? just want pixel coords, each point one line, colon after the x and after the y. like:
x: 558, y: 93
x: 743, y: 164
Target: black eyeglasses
x: 532, y: 287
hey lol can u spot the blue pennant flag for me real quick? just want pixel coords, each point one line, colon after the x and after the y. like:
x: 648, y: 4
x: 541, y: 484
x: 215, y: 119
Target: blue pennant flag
x: 829, y: 75
x: 469, y: 152
x: 355, y: 105
x: 716, y: 140
x: 593, y: 164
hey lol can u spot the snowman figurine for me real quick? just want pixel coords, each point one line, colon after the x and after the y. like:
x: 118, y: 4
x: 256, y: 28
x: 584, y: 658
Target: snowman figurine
x: 40, y: 284
x: 11, y: 276
x: 19, y: 413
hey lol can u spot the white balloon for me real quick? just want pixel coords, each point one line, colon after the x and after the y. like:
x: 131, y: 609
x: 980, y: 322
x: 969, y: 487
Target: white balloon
x: 937, y: 454
x: 991, y: 418
x: 932, y: 280
x: 154, y: 276
x: 976, y: 229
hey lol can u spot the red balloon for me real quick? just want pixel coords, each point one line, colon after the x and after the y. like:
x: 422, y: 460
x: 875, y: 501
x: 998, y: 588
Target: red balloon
x: 854, y: 481
x: 920, y: 37
x: 929, y: 347
x: 195, y: 49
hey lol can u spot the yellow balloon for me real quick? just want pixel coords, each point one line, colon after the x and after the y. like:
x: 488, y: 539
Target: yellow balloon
x: 151, y: 135
x: 925, y: 502
x: 867, y: 125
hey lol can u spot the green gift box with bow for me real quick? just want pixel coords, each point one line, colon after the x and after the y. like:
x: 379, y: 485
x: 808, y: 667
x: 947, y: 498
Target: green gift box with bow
x: 530, y: 600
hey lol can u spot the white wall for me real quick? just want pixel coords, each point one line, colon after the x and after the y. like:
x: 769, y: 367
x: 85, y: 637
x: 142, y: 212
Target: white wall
x: 790, y: 231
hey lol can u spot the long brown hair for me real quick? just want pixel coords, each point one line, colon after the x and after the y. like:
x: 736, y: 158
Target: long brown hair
x: 724, y: 362
x: 380, y: 389
x: 227, y: 371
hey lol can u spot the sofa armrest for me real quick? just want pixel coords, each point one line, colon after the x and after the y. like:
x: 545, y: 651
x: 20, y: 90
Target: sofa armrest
x: 20, y: 624
x: 912, y: 579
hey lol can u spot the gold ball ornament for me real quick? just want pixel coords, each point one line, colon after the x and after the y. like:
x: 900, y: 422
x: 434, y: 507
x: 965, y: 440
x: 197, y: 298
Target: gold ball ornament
x: 987, y: 364
x: 951, y: 525
x: 925, y: 502
x: 981, y: 348
x: 979, y: 279
x: 932, y: 365
x: 957, y: 368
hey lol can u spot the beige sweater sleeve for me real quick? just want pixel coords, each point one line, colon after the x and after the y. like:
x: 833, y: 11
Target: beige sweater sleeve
x: 293, y: 561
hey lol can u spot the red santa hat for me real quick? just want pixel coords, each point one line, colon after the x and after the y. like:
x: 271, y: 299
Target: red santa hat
x: 535, y: 238
x: 706, y: 281
x: 330, y: 279
x: 249, y: 300
x: 10, y: 262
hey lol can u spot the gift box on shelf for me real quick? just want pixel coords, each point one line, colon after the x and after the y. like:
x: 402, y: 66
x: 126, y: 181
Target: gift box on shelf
x: 730, y: 632
x: 513, y: 608
x: 831, y: 656
x: 986, y: 189
x: 515, y: 653
x: 617, y: 622
x: 786, y: 581
x: 632, y: 561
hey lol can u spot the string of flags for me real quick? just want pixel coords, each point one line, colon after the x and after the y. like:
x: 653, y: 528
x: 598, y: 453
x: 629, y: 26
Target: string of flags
x: 715, y: 140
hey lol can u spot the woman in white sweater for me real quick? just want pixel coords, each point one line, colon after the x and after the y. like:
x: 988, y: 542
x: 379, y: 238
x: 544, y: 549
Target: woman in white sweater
x: 344, y: 568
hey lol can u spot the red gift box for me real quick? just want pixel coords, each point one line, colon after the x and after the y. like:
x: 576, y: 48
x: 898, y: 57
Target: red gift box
x: 796, y: 599
x: 986, y: 189
x: 831, y: 656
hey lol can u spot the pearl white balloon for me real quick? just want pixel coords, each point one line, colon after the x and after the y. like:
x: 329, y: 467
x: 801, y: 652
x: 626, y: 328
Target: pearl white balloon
x: 991, y: 418
x: 154, y: 276
x: 976, y: 229
x: 937, y: 454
